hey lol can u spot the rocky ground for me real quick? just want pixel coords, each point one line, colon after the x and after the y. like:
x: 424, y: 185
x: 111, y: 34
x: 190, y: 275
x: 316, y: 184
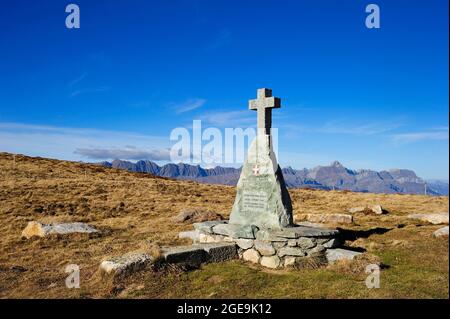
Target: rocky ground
x: 135, y: 211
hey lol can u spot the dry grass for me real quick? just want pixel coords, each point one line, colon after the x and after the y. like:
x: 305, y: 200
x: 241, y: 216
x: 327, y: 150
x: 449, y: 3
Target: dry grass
x: 135, y: 210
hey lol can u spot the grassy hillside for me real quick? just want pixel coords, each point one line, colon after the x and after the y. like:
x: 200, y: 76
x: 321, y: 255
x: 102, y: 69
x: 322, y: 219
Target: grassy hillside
x: 133, y: 210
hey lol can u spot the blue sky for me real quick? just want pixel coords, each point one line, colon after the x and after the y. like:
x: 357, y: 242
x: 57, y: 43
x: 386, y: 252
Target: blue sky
x: 135, y: 70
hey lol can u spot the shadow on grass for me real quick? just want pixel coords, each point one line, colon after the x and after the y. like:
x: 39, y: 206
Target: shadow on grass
x: 357, y: 249
x: 351, y: 235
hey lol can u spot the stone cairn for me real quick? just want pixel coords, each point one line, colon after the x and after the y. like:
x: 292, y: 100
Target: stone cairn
x: 261, y: 223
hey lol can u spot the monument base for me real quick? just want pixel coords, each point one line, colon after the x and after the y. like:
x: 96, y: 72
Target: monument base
x: 272, y: 248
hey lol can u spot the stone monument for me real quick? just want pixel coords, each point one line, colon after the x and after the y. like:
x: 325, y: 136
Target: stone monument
x: 261, y: 223
x: 260, y: 229
x: 262, y: 198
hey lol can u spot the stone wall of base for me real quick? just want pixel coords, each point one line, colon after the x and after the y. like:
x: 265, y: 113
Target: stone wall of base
x: 191, y: 256
x: 285, y: 247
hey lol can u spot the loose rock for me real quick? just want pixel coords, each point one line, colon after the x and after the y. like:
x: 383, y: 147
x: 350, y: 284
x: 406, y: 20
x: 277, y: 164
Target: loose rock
x: 435, y: 219
x: 441, y: 232
x: 373, y: 209
x: 337, y: 254
x: 124, y: 265
x: 41, y: 230
x: 377, y: 209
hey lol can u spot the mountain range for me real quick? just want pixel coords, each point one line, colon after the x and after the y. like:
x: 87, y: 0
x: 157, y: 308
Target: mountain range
x: 333, y: 176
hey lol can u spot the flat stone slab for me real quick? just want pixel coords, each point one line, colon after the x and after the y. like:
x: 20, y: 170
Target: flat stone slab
x: 191, y: 255
x: 218, y: 252
x: 236, y: 231
x: 267, y: 235
x: 337, y: 254
x: 126, y: 264
x: 309, y: 224
x: 441, y: 232
x: 435, y: 218
x: 207, y: 227
x: 303, y: 231
x: 41, y: 230
x: 200, y: 253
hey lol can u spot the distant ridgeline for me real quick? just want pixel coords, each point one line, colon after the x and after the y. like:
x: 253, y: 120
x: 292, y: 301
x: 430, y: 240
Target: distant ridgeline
x: 330, y: 177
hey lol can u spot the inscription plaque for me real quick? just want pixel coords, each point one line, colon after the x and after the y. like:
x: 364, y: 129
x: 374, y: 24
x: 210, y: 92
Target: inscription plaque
x: 254, y: 201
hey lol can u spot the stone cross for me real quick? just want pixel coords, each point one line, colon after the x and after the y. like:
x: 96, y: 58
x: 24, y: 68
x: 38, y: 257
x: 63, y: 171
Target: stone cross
x: 264, y: 104
x: 255, y: 170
